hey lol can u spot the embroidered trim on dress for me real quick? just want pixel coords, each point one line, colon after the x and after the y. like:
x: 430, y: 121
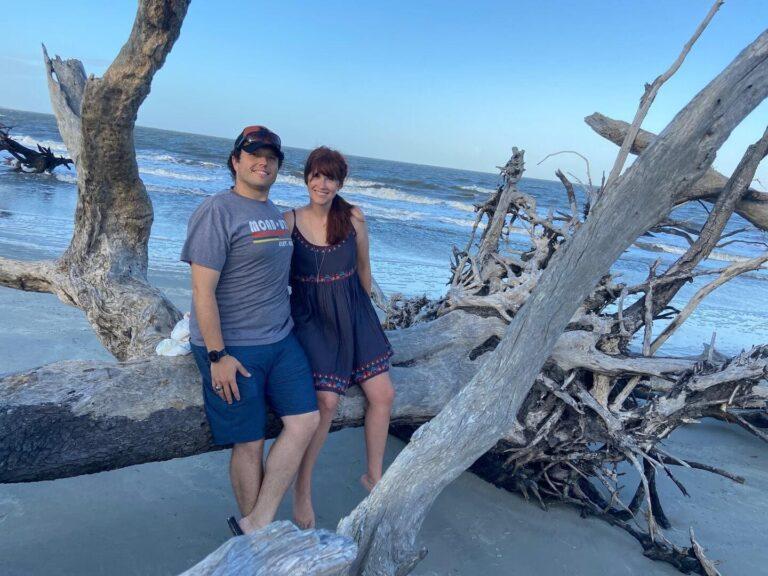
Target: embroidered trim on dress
x: 316, y: 248
x: 377, y: 366
x: 325, y: 277
x: 330, y: 383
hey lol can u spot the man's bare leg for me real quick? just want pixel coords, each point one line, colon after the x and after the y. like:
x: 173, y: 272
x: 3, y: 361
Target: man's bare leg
x: 303, y: 512
x: 281, y: 466
x: 245, y: 471
x: 380, y: 395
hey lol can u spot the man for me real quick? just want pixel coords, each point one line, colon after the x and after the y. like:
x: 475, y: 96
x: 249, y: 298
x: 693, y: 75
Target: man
x: 239, y: 249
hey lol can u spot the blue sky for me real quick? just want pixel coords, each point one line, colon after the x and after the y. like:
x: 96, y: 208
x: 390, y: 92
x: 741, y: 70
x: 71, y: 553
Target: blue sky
x: 444, y: 83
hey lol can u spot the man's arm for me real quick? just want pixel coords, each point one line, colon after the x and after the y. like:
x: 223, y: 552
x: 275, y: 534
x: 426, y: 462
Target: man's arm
x: 223, y: 372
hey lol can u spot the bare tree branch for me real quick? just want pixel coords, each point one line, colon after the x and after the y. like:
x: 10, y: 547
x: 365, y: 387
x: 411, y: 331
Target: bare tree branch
x: 32, y: 276
x: 729, y: 273
x: 708, y: 238
x: 753, y: 206
x: 650, y: 95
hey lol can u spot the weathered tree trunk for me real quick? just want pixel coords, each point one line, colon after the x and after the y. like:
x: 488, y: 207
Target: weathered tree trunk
x: 489, y: 245
x: 104, y: 270
x: 66, y: 86
x: 386, y: 524
x: 280, y: 549
x: 77, y: 417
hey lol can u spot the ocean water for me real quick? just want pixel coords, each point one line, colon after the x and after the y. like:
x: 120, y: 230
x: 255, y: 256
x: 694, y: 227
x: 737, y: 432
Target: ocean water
x: 415, y: 215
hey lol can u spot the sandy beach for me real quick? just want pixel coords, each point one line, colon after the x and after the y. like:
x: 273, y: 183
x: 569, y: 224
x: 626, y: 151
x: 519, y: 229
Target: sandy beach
x: 161, y: 518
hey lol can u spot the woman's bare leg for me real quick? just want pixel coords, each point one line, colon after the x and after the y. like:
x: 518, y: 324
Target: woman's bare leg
x: 303, y: 512
x: 380, y: 394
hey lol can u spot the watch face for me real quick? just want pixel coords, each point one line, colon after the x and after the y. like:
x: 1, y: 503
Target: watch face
x: 213, y: 356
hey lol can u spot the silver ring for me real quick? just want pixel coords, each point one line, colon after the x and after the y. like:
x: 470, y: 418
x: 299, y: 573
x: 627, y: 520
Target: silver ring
x: 217, y: 388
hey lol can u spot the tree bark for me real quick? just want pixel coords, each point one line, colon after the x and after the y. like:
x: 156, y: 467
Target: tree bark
x: 386, y: 524
x: 104, y: 269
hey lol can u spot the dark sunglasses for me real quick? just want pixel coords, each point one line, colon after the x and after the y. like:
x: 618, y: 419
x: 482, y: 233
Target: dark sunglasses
x: 254, y: 140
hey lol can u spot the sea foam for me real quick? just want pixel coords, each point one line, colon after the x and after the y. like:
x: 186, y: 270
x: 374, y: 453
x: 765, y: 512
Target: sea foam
x: 155, y: 157
x: 67, y: 177
x: 175, y: 175
x: 475, y: 188
x: 355, y: 187
x: 30, y: 142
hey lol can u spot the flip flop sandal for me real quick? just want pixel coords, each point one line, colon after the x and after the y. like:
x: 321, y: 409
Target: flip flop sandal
x: 234, y: 527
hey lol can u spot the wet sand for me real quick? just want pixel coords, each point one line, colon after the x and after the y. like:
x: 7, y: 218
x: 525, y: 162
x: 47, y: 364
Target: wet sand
x: 161, y: 518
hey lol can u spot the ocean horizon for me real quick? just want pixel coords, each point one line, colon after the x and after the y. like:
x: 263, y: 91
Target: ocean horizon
x: 415, y: 214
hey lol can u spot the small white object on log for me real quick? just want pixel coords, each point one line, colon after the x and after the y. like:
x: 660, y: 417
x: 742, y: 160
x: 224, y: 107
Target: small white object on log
x: 178, y: 344
x: 180, y: 332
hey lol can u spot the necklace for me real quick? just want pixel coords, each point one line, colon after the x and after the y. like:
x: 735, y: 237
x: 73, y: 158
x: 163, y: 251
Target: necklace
x: 320, y: 265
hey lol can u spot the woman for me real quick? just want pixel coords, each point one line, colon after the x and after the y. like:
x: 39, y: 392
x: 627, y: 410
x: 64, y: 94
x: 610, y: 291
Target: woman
x: 335, y: 320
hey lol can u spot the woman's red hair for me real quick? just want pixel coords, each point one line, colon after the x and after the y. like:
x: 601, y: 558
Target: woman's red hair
x: 331, y: 164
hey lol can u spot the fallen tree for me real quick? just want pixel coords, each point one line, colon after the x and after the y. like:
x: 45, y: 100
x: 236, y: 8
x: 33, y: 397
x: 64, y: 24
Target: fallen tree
x: 78, y: 417
x: 526, y: 359
x: 27, y: 160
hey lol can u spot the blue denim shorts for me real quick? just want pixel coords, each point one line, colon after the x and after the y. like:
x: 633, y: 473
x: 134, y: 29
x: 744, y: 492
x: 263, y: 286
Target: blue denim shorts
x: 280, y: 378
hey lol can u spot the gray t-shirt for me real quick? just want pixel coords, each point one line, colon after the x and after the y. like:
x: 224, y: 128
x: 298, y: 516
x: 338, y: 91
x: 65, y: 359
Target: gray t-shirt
x: 249, y: 242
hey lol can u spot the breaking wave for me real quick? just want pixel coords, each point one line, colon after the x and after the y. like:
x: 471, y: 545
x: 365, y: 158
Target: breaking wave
x: 666, y: 248
x: 476, y: 188
x: 29, y: 142
x: 176, y: 190
x: 175, y: 175
x: 173, y: 160
x: 355, y: 187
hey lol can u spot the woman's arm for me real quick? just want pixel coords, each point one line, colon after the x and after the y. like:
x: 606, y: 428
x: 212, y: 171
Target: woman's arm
x: 289, y: 219
x: 363, y: 256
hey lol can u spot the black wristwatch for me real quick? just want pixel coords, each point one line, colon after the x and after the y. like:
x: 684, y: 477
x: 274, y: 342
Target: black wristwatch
x: 216, y: 355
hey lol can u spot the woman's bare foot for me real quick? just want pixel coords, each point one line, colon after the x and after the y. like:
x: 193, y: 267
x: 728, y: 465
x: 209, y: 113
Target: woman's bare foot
x: 367, y: 482
x: 303, y: 513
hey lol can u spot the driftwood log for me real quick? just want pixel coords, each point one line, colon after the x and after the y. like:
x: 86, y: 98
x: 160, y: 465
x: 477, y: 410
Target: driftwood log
x: 77, y: 417
x: 28, y: 160
x: 525, y: 363
x: 280, y: 549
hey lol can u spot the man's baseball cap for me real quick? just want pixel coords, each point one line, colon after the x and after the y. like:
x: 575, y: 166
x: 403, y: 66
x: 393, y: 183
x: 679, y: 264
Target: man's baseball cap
x: 254, y: 137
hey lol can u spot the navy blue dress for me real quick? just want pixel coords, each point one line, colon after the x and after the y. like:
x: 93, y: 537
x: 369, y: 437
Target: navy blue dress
x: 334, y: 317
